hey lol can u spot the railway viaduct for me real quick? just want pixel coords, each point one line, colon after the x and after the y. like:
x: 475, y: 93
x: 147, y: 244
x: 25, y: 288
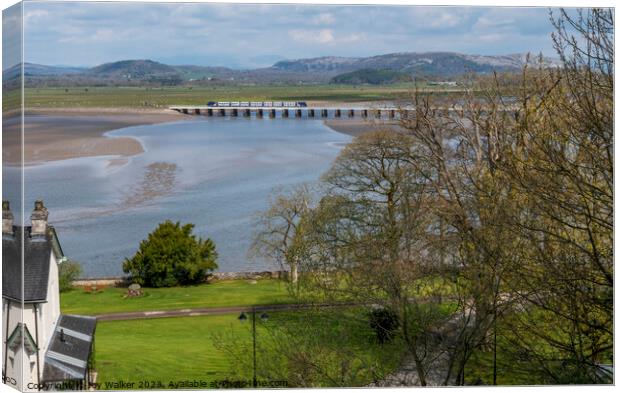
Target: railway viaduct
x: 289, y: 112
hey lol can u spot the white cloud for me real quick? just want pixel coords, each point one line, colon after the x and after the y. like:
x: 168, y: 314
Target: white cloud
x: 491, y: 37
x: 324, y: 19
x: 445, y: 20
x: 486, y: 22
x: 351, y: 38
x: 324, y: 36
x: 438, y: 18
x: 34, y: 16
x: 235, y: 34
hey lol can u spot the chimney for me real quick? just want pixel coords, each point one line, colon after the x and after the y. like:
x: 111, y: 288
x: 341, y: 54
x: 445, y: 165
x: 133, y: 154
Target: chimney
x: 38, y: 219
x: 7, y: 218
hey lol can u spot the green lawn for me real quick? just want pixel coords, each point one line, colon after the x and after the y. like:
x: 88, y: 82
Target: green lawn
x: 162, y: 350
x: 80, y: 97
x: 217, y: 294
x: 479, y: 370
x: 167, y: 350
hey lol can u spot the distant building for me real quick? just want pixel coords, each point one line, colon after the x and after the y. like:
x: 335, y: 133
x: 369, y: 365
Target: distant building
x: 41, y: 347
x: 443, y: 83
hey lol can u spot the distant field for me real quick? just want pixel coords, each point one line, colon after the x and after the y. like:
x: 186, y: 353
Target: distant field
x: 217, y: 294
x: 81, y: 97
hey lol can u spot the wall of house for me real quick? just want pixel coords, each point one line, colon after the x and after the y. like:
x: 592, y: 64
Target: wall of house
x: 49, y: 312
x: 31, y: 377
x: 11, y: 362
x: 21, y: 369
x: 47, y: 315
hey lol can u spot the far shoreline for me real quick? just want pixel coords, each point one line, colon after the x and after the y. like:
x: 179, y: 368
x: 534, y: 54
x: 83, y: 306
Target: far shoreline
x: 54, y: 134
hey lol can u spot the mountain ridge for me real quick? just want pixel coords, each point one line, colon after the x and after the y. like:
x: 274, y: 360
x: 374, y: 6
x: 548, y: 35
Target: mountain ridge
x: 430, y: 63
x: 433, y: 65
x: 41, y: 69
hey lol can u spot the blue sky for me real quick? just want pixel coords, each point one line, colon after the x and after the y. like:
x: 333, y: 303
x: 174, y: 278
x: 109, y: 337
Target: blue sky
x: 248, y: 36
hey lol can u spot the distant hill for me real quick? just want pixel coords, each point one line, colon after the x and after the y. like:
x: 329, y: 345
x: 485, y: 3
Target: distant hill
x: 386, y: 68
x: 372, y: 76
x: 39, y: 69
x: 136, y: 72
x: 189, y: 72
x: 317, y: 64
x: 442, y: 64
x: 133, y: 69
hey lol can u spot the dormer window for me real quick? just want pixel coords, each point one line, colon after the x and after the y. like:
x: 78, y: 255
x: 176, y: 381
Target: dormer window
x: 16, y: 338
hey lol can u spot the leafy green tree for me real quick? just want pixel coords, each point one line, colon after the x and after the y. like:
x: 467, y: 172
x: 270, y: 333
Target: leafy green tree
x: 68, y: 272
x: 171, y: 256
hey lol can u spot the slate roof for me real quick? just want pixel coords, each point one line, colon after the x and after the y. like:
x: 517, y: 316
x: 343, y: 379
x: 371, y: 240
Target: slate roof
x: 69, y: 350
x: 37, y: 251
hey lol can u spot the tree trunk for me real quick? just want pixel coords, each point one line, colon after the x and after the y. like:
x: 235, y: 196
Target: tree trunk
x: 294, y: 273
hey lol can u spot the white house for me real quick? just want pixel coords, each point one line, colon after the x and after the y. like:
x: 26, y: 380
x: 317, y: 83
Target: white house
x: 42, y: 348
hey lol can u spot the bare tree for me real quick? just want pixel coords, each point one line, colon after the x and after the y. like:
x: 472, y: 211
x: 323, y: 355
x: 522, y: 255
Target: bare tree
x: 280, y: 229
x: 563, y: 169
x: 504, y: 202
x: 375, y: 237
x: 527, y: 189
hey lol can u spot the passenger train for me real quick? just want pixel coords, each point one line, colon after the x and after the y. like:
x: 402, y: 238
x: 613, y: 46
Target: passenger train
x: 276, y: 104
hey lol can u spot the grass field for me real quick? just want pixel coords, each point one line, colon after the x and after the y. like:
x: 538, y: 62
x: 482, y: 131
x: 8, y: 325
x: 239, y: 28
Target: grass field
x: 81, y: 97
x: 217, y: 294
x: 479, y: 370
x: 163, y: 350
x: 154, y: 353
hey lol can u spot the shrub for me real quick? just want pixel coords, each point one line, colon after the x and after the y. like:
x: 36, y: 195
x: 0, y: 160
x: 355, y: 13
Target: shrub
x: 384, y: 322
x: 172, y: 256
x: 68, y: 271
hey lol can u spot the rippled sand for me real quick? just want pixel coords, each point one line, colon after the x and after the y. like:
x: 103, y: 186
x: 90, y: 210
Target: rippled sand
x: 51, y: 135
x: 355, y: 127
x: 158, y: 180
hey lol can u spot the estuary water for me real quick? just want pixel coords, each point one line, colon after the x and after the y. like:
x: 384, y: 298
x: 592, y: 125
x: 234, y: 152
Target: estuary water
x: 216, y: 173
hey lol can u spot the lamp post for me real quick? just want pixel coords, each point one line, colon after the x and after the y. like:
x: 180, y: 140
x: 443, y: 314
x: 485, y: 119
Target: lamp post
x: 242, y: 318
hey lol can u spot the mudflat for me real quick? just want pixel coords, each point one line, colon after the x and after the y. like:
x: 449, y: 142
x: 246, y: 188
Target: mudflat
x: 58, y: 134
x: 52, y: 134
x: 355, y: 127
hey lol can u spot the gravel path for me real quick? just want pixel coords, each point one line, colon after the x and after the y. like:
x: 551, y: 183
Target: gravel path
x: 194, y: 312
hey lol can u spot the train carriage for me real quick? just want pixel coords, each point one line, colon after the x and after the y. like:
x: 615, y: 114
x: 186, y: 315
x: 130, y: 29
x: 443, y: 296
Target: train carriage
x: 277, y: 104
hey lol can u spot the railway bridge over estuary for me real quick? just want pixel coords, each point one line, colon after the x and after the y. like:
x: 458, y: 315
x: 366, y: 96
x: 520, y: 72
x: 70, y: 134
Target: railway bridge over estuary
x: 292, y: 112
